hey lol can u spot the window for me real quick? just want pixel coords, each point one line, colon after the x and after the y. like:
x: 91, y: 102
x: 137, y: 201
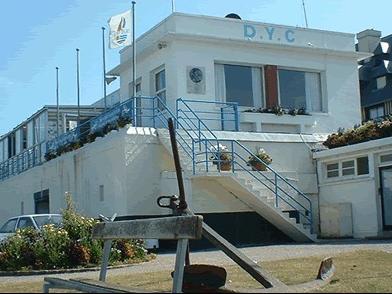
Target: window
x: 348, y: 168
x: 381, y: 82
x: 353, y: 167
x: 241, y: 84
x: 138, y: 89
x: 363, y: 165
x: 25, y: 222
x: 2, y: 158
x: 11, y: 145
x: 160, y: 87
x: 332, y: 170
x: 386, y: 158
x: 376, y: 111
x: 24, y: 137
x: 43, y: 220
x: 299, y: 89
x: 9, y: 226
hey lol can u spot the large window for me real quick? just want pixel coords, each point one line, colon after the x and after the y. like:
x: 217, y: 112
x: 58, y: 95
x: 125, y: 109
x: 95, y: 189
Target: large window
x: 239, y: 83
x: 160, y: 87
x: 300, y: 89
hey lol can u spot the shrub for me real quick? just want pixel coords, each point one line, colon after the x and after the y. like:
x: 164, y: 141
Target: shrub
x: 69, y: 246
x: 370, y: 130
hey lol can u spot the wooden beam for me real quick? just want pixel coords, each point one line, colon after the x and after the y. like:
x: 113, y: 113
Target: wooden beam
x: 260, y: 275
x: 169, y: 228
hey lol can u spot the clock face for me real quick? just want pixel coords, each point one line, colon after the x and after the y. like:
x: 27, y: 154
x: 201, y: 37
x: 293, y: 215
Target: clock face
x: 196, y: 75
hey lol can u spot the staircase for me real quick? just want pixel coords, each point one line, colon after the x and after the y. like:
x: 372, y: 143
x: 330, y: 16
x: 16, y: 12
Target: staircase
x: 244, y: 186
x: 269, y: 193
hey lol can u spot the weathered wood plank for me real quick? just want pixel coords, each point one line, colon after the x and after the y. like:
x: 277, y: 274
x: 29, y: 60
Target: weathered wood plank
x: 260, y: 275
x: 56, y: 283
x: 169, y: 228
x: 111, y: 287
x: 179, y: 266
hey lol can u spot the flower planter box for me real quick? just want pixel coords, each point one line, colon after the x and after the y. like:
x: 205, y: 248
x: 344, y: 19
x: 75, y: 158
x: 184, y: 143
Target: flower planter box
x: 225, y: 166
x: 258, y: 166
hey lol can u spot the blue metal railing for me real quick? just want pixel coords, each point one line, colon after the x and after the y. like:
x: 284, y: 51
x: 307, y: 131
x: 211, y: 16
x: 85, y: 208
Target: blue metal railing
x: 211, y: 150
x: 194, y: 137
x: 222, y: 116
x: 25, y: 160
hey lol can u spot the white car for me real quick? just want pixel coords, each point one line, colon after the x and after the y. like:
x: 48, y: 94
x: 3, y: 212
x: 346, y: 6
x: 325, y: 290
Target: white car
x: 25, y: 221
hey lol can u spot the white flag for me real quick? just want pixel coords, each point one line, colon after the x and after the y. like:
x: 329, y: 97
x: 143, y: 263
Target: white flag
x: 120, y: 30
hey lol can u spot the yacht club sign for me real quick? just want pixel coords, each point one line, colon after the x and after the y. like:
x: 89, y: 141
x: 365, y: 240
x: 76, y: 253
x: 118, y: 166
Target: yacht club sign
x: 269, y: 34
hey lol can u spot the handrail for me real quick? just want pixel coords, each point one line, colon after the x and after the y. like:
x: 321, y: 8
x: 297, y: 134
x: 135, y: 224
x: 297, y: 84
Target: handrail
x: 224, y: 106
x: 21, y: 162
x: 235, y: 155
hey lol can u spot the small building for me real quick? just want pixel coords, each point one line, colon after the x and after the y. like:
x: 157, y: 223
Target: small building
x: 233, y: 87
x: 25, y: 146
x: 375, y: 74
x: 355, y: 190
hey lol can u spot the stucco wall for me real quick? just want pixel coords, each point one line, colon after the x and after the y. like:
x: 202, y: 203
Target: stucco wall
x: 135, y: 169
x: 339, y: 75
x: 360, y: 194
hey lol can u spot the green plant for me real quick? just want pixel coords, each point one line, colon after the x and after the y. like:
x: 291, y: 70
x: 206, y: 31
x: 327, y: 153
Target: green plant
x: 370, y: 130
x: 69, y: 246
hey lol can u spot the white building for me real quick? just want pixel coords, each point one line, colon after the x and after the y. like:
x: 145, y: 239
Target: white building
x: 224, y: 69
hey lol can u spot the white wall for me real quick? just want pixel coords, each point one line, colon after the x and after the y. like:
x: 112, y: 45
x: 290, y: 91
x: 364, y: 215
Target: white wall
x: 332, y: 54
x: 360, y: 194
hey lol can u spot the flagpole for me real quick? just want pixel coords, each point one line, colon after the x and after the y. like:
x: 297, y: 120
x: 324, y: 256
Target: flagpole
x: 306, y: 18
x: 57, y: 100
x: 133, y: 50
x: 78, y: 83
x: 104, y: 66
x: 173, y: 6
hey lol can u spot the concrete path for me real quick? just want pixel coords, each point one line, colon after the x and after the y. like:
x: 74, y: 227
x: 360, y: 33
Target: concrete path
x: 260, y: 253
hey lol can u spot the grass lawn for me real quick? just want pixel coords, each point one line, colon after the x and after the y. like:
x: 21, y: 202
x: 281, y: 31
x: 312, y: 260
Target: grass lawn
x: 359, y: 271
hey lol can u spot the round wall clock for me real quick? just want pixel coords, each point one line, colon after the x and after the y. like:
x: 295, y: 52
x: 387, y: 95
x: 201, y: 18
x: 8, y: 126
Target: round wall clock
x: 196, y: 75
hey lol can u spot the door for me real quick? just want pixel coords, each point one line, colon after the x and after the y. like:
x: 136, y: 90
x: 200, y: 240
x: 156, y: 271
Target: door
x: 386, y: 196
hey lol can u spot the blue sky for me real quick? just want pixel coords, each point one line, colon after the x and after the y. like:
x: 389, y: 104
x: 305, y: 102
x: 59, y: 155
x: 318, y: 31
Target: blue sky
x: 39, y: 35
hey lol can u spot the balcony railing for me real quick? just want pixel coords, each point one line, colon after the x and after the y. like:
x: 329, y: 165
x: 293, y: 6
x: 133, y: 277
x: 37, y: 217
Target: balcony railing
x: 25, y: 160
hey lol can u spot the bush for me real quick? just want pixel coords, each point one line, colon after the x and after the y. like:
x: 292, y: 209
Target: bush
x: 370, y: 130
x: 69, y: 246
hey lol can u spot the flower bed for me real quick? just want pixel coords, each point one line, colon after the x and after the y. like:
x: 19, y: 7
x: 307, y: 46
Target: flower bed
x: 67, y: 247
x: 89, y: 138
x: 368, y: 131
x: 278, y: 110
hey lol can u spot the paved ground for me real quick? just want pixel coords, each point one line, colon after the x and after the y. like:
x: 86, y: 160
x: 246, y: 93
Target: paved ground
x: 260, y: 253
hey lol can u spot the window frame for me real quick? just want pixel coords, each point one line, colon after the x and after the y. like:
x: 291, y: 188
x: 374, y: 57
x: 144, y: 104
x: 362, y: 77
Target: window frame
x: 377, y: 107
x: 253, y: 66
x: 341, y: 168
x: 324, y: 108
x: 153, y: 87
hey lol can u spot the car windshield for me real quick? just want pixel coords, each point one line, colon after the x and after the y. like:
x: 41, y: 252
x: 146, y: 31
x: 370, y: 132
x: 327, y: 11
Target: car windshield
x: 47, y: 220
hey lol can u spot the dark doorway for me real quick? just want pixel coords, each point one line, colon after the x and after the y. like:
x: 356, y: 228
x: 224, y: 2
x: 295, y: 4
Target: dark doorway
x: 41, y: 201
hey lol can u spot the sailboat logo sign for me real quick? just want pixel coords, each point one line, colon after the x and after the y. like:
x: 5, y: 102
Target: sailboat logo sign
x: 120, y: 30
